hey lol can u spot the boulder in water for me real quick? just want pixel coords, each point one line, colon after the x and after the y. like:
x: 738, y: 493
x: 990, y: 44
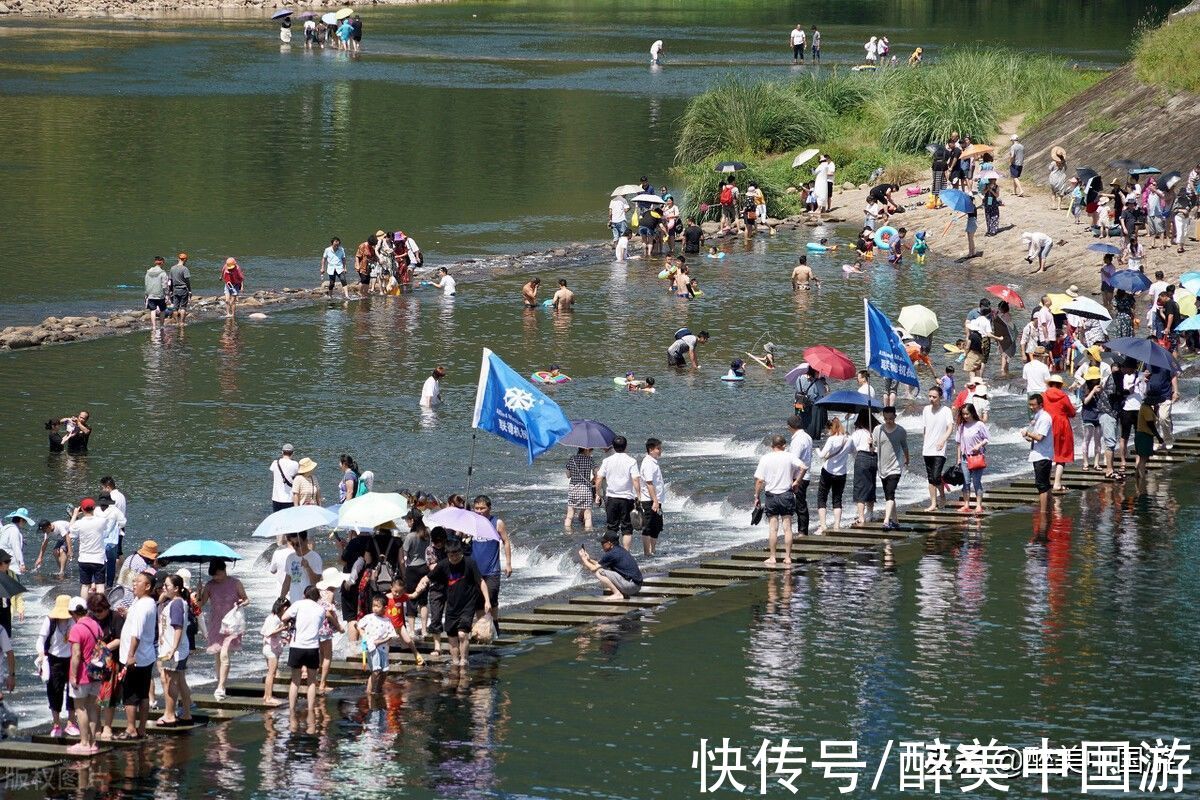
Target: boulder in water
x: 258, y: 315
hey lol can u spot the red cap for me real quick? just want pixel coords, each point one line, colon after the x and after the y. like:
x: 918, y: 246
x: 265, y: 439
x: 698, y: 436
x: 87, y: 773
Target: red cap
x: 87, y: 504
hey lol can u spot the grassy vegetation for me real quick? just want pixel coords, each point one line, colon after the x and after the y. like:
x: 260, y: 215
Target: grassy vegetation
x: 1169, y: 55
x: 864, y: 121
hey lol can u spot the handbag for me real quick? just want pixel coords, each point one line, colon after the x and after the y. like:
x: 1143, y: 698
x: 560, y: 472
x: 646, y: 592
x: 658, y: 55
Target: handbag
x: 637, y: 518
x: 756, y: 515
x: 954, y: 476
x: 976, y: 462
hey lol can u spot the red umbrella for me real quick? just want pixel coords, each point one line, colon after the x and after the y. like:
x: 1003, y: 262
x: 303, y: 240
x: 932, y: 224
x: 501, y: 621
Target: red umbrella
x: 830, y: 361
x: 1007, y: 295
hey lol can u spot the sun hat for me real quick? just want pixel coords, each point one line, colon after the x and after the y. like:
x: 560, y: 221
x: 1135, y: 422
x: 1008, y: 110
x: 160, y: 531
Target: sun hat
x: 1092, y: 374
x: 148, y: 550
x: 1073, y: 290
x: 1055, y: 379
x: 306, y: 466
x: 331, y: 578
x: 1014, y: 137
x: 1058, y: 154
x: 21, y: 513
x: 1040, y: 352
x: 981, y: 390
x: 1095, y: 352
x: 186, y: 574
x: 61, y: 608
x: 972, y: 381
x: 379, y: 234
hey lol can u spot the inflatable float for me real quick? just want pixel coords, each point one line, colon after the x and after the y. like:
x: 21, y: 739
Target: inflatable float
x: 817, y: 247
x: 883, y: 234
x: 544, y: 376
x: 731, y: 378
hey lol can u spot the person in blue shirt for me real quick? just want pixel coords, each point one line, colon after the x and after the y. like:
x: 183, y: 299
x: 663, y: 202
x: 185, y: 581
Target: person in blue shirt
x: 344, y: 32
x: 333, y: 266
x: 616, y: 570
x: 486, y: 553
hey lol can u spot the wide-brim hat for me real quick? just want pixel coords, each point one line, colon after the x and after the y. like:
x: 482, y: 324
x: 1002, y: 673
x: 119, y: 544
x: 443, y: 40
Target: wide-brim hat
x: 306, y: 466
x: 1055, y: 379
x: 331, y: 578
x: 148, y: 550
x: 1073, y: 290
x: 21, y: 513
x: 62, y: 607
x: 1058, y: 154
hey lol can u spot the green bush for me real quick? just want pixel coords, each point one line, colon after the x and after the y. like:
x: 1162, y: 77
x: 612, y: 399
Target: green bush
x: 743, y: 117
x: 773, y: 176
x: 1169, y: 55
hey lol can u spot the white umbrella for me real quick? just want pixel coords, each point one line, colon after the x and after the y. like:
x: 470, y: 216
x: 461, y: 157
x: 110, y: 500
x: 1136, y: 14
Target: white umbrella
x: 294, y: 520
x: 648, y: 198
x: 805, y: 157
x: 918, y: 320
x: 629, y: 188
x: 1088, y: 308
x: 371, y: 510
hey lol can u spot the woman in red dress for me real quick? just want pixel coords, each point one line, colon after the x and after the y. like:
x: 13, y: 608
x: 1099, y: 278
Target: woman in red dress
x: 1058, y: 405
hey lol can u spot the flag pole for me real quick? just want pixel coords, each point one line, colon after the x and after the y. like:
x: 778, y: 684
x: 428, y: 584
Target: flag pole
x: 470, y: 466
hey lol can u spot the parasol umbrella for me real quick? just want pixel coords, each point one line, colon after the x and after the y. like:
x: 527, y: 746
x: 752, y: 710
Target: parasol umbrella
x: 729, y: 166
x: 283, y: 12
x: 1146, y: 171
x: 10, y: 587
x: 1106, y: 249
x: 200, y: 551
x: 956, y: 200
x: 475, y: 525
x: 342, y: 13
x: 1168, y: 181
x: 796, y: 374
x: 1191, y: 284
x: 1127, y: 165
x: 371, y: 510
x: 627, y: 189
x: 1192, y: 323
x: 1007, y: 294
x: 330, y: 18
x: 1058, y: 300
x: 1144, y: 350
x: 1186, y: 299
x: 1129, y: 280
x: 648, y: 198
x: 1086, y: 175
x: 1087, y: 308
x: 848, y: 401
x: 918, y: 320
x: 294, y: 520
x: 588, y: 433
x: 1189, y: 276
x: 804, y: 157
x: 830, y: 361
x: 977, y: 150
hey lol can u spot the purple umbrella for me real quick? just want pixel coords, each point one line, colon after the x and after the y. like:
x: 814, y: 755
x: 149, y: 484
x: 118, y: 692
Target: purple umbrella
x: 796, y: 373
x: 307, y: 14
x: 474, y: 525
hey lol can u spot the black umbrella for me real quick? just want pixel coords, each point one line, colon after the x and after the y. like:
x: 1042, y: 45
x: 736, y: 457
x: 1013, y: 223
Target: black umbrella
x: 1127, y: 165
x: 10, y: 587
x: 1166, y: 182
x: 1086, y: 174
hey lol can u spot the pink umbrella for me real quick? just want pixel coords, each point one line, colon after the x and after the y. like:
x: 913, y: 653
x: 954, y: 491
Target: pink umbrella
x: 474, y: 525
x: 830, y: 361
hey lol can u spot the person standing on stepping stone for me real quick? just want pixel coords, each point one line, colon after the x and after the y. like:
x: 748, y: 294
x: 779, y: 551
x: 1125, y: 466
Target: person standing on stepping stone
x: 801, y: 447
x: 776, y: 477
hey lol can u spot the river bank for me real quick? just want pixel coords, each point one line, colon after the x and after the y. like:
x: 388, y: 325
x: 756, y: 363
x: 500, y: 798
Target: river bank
x: 164, y: 9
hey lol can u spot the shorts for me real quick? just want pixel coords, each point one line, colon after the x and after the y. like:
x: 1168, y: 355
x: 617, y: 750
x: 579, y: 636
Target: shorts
x: 337, y: 276
x: 377, y: 659
x: 136, y: 686
x: 90, y: 573
x: 232, y: 291
x: 625, y: 586
x: 180, y: 301
x: 60, y: 545
x: 972, y: 223
x: 1108, y: 431
x: 676, y: 359
x: 890, y: 482
x: 1143, y: 444
x: 460, y: 624
x: 616, y: 513
x: 270, y: 652
x: 493, y: 586
x: 934, y: 467
x: 890, y: 386
x: 973, y: 362
x: 437, y: 608
x: 412, y: 576
x: 175, y: 666
x: 779, y: 505
x: 278, y: 506
x: 299, y: 657
x: 1156, y: 226
x: 1041, y: 475
x: 364, y: 279
x: 156, y: 304
x: 727, y: 212
x: 85, y: 690
x: 1014, y: 170
x: 1128, y: 422
x: 654, y: 523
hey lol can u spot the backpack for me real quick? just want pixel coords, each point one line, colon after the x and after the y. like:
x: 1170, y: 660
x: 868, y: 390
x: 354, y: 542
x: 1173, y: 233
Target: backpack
x: 726, y: 197
x: 98, y: 669
x: 940, y: 157
x: 382, y: 574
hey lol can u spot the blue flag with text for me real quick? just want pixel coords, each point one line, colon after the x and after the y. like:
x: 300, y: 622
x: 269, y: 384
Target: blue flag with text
x: 512, y: 408
x: 886, y: 353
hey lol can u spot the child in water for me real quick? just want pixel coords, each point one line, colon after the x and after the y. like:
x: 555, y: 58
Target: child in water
x: 769, y: 355
x: 920, y: 247
x: 714, y: 253
x: 737, y: 369
x: 896, y: 247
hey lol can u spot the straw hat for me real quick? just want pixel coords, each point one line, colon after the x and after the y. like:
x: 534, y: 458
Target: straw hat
x: 331, y: 578
x: 1073, y: 291
x: 62, y: 607
x: 1092, y: 374
x: 1055, y: 379
x: 379, y: 234
x: 149, y: 550
x: 1040, y: 352
x: 306, y: 466
x: 981, y: 390
x: 1058, y: 154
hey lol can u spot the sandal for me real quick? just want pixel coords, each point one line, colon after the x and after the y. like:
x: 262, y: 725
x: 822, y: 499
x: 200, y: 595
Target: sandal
x: 420, y: 660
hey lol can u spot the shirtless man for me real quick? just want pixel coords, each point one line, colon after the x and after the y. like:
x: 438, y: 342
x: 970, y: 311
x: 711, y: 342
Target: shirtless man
x: 802, y: 275
x: 564, y: 298
x: 529, y: 292
x: 679, y: 284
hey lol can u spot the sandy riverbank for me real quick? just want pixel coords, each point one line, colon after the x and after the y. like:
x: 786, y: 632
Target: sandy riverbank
x: 147, y: 9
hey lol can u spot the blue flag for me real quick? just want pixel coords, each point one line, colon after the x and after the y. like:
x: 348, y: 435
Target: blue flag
x: 886, y: 354
x: 512, y: 408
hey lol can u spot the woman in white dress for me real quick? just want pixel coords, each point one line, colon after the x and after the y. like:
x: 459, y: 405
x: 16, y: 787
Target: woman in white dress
x: 872, y: 48
x: 821, y: 177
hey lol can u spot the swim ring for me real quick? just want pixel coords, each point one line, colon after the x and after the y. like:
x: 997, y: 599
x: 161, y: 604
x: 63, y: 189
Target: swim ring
x: 718, y: 255
x: 543, y: 376
x: 666, y: 273
x: 882, y: 235
x: 619, y: 382
x: 732, y: 378
x: 547, y: 303
x: 817, y: 247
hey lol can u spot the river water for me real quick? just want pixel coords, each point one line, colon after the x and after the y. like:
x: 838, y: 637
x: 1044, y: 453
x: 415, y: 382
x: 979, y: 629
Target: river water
x: 500, y: 132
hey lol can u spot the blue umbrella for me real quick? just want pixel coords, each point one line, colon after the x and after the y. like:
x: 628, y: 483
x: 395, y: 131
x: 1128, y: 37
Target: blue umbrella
x: 849, y: 400
x: 1189, y: 324
x: 1146, y: 171
x: 294, y: 520
x: 1107, y: 249
x: 1145, y: 351
x: 199, y: 550
x: 1189, y: 276
x: 588, y: 433
x: 1130, y: 280
x: 956, y: 200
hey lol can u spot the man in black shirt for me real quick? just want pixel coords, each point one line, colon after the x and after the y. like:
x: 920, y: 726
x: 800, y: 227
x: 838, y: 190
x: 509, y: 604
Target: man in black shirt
x: 1129, y: 219
x: 693, y: 237
x: 616, y: 570
x: 463, y: 585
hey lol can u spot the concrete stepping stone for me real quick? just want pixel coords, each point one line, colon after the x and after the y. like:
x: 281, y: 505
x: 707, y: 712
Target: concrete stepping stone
x: 232, y: 701
x: 633, y: 602
x: 701, y: 583
x: 18, y: 750
x: 658, y: 590
x: 566, y: 609
x: 699, y: 572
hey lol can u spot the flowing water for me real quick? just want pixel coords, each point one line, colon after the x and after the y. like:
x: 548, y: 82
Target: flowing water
x: 499, y: 132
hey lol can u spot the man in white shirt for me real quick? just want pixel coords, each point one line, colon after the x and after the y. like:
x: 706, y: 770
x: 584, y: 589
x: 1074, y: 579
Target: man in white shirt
x: 12, y: 538
x: 1035, y: 372
x: 283, y: 472
x: 624, y: 484
x: 301, y: 568
x: 333, y: 266
x: 775, y: 483
x: 618, y: 209
x: 431, y: 392
x: 137, y: 655
x: 797, y: 39
x: 444, y: 282
x: 938, y: 422
x: 801, y: 447
x: 1041, y: 449
x: 56, y: 536
x: 650, y: 496
x: 1039, y: 247
x: 107, y: 484
x: 89, y: 531
x: 1044, y: 317
x: 114, y: 523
